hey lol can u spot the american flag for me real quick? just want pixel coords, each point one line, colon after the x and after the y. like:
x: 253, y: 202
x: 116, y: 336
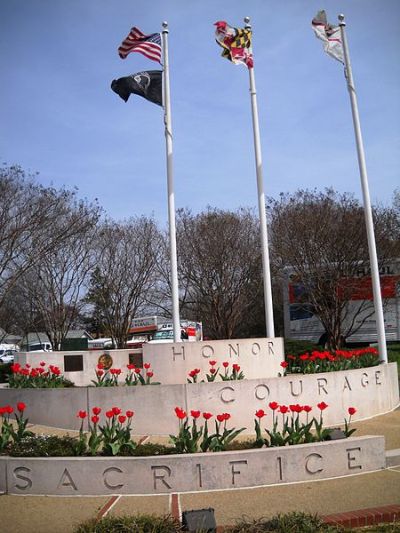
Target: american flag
x: 136, y: 41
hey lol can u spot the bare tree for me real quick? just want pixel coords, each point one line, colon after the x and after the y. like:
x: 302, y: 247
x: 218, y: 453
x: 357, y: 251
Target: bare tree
x: 30, y: 227
x: 57, y: 284
x: 322, y: 237
x: 219, y: 257
x: 124, y: 274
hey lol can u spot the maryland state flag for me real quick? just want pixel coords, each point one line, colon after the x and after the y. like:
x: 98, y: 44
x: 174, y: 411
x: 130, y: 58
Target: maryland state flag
x: 147, y: 84
x: 236, y: 43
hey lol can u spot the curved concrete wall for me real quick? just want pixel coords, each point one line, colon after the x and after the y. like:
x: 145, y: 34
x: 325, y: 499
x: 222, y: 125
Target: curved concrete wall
x: 77, y: 476
x: 172, y: 362
x: 372, y: 391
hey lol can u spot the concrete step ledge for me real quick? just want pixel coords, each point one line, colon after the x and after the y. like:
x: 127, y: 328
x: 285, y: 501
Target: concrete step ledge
x: 393, y: 457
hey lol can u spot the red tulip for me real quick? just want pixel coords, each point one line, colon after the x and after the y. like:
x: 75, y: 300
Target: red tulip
x: 236, y: 367
x: 147, y: 365
x: 100, y: 366
x: 220, y: 418
x: 129, y: 414
x: 82, y: 414
x: 150, y: 374
x: 226, y: 416
x: 96, y: 410
x: 180, y: 413
x: 21, y: 406
x: 225, y: 364
x: 95, y: 419
x: 322, y: 406
x: 273, y: 405
x: 195, y: 414
x: 116, y: 410
x: 131, y: 366
x: 307, y: 408
x: 138, y: 370
x: 121, y: 419
x: 99, y: 372
x: 352, y: 411
x: 212, y: 363
x: 42, y: 363
x: 213, y: 370
x: 284, y: 364
x: 207, y: 416
x: 283, y: 409
x: 109, y: 414
x: 260, y: 413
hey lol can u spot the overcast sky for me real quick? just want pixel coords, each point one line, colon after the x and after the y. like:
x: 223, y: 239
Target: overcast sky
x: 60, y: 118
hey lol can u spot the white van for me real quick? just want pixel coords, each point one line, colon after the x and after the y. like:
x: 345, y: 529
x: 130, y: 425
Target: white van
x: 40, y: 347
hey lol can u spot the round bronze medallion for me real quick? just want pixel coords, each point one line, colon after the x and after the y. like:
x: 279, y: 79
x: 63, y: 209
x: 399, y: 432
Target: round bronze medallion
x: 106, y: 360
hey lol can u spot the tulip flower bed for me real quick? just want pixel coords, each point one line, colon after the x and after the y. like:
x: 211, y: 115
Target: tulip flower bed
x: 188, y: 438
x: 228, y: 374
x: 40, y: 377
x: 134, y: 376
x: 311, y: 363
x: 8, y: 432
x: 288, y: 429
x: 112, y: 435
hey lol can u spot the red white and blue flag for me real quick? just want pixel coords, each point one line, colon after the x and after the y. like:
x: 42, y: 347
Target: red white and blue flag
x: 329, y: 34
x: 136, y: 41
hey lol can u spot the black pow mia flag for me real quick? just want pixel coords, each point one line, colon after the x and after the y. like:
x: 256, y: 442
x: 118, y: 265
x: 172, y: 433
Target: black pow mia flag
x: 147, y: 84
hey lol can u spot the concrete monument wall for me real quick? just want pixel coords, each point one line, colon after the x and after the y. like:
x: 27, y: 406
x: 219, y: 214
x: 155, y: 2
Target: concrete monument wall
x: 372, y: 391
x: 172, y: 362
x: 191, y: 472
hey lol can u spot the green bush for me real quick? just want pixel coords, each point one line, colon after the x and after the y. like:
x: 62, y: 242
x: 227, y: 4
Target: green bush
x: 5, y: 370
x: 150, y: 448
x: 130, y: 524
x: 44, y: 446
x: 67, y: 446
x: 295, y: 522
x: 393, y: 350
x: 241, y: 445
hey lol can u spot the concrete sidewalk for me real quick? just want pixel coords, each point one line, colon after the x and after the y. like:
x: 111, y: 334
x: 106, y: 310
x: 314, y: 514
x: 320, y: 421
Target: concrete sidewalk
x: 28, y: 514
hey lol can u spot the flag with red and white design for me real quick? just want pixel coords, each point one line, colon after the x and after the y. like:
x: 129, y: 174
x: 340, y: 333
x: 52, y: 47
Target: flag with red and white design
x: 136, y: 41
x: 236, y: 43
x: 329, y: 34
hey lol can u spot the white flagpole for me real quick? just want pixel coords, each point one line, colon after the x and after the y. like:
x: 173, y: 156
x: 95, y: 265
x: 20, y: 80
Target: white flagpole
x: 171, y: 195
x: 376, y: 286
x: 269, y: 315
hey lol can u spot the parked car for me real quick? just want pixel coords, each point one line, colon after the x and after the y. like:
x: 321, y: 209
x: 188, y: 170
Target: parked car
x: 8, y: 356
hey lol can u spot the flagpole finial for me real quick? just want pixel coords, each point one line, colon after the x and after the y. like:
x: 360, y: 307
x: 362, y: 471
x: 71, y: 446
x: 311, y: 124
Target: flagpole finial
x: 165, y: 26
x: 342, y: 22
x: 247, y: 22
